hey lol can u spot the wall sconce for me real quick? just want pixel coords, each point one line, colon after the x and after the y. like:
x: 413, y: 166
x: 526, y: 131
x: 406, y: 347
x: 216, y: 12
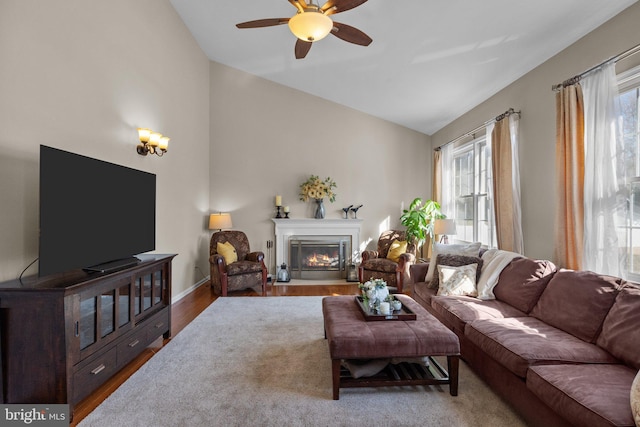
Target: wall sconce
x: 152, y: 142
x: 218, y: 221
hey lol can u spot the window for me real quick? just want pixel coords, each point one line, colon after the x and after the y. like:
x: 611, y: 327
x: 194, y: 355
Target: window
x: 471, y: 179
x: 628, y: 167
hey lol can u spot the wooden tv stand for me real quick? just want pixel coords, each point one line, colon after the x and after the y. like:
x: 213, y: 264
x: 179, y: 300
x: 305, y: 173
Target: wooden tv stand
x: 64, y: 335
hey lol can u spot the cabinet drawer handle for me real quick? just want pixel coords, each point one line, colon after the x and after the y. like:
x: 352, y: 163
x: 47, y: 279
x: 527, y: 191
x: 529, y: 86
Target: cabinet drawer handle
x: 97, y: 370
x: 159, y: 325
x: 134, y: 343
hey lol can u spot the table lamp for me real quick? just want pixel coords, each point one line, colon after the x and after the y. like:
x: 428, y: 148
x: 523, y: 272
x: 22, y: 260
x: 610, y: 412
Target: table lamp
x: 444, y: 227
x: 220, y: 220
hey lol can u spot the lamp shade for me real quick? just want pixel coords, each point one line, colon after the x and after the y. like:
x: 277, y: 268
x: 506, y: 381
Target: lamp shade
x: 310, y: 26
x: 163, y: 144
x: 144, y: 134
x: 218, y: 221
x: 154, y: 139
x: 444, y: 227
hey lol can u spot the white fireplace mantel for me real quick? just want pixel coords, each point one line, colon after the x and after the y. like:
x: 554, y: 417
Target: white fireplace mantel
x: 285, y: 228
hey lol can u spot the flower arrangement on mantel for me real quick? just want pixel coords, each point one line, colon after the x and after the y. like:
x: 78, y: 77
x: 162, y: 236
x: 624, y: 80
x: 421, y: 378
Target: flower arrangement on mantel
x: 314, y: 188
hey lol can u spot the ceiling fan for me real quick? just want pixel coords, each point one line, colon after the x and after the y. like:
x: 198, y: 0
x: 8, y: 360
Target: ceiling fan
x: 312, y: 23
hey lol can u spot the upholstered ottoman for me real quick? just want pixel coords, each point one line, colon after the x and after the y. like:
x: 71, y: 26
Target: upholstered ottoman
x: 350, y: 336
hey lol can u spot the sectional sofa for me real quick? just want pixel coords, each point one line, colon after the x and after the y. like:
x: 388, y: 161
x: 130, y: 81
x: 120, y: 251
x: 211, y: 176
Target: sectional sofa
x: 562, y: 347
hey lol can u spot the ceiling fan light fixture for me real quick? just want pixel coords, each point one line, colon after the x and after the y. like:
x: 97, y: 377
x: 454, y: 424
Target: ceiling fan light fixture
x: 310, y: 26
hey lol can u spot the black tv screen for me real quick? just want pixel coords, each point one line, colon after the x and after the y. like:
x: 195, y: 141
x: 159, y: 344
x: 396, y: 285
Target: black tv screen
x: 92, y: 212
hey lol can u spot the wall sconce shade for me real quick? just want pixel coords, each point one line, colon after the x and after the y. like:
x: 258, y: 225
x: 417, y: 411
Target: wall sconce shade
x: 151, y: 142
x: 444, y: 227
x: 221, y: 220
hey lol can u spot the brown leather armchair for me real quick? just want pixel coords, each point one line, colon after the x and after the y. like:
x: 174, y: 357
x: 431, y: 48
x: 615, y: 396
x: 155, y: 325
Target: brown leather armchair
x: 247, y: 272
x: 376, y: 265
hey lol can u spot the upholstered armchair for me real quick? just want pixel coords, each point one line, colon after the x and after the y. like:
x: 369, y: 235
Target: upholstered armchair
x: 376, y: 264
x: 229, y: 274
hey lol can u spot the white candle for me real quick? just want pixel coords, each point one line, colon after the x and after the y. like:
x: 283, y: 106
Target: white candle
x: 385, y: 308
x: 286, y: 209
x: 278, y: 200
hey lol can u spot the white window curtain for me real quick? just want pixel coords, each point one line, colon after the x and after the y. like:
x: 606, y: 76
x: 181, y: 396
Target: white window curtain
x: 447, y: 203
x: 514, y: 130
x: 513, y: 228
x: 601, y: 201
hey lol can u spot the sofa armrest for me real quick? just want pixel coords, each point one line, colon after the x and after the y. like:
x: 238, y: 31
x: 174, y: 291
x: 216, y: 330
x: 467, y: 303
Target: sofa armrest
x: 369, y: 255
x: 257, y: 256
x: 418, y: 272
x: 405, y: 260
x: 218, y: 261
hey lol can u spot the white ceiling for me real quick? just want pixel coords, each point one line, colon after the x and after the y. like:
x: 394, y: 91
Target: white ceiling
x: 429, y: 63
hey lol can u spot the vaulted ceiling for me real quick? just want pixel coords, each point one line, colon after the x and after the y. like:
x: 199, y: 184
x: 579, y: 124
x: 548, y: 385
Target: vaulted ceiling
x: 429, y: 63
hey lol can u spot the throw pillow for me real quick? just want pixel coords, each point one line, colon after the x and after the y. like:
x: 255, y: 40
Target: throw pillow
x: 457, y: 280
x: 495, y: 260
x: 397, y: 248
x: 455, y: 261
x: 470, y: 249
x: 227, y: 251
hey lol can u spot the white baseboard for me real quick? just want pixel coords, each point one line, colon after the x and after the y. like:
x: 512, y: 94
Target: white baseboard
x: 176, y: 298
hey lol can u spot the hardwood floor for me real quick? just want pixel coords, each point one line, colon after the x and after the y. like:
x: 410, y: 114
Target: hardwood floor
x: 182, y: 313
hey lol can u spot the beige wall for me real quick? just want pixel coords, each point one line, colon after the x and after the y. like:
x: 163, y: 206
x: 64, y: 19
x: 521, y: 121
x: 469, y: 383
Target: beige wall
x: 532, y: 95
x: 266, y: 139
x: 82, y: 76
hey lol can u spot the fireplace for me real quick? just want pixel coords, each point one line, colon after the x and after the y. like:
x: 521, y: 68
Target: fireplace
x: 316, y: 231
x: 318, y: 257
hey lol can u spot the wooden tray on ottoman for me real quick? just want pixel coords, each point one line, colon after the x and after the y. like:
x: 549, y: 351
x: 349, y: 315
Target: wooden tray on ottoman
x: 405, y: 313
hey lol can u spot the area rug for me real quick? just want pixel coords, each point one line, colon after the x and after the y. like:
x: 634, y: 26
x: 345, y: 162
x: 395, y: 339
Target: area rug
x: 249, y: 361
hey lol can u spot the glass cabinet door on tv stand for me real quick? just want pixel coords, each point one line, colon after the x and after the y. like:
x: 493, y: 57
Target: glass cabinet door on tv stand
x: 104, y: 311
x: 111, y: 307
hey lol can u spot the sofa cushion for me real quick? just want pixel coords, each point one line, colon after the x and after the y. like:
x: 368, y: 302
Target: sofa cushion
x: 244, y: 267
x: 577, y: 302
x: 383, y: 265
x: 586, y: 395
x: 455, y: 261
x: 620, y: 334
x: 470, y: 249
x: 423, y: 293
x: 522, y: 281
x: 457, y: 311
x: 520, y: 342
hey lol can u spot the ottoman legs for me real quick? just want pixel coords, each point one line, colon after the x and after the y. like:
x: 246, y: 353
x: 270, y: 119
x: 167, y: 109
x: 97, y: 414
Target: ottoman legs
x: 452, y: 367
x: 335, y: 375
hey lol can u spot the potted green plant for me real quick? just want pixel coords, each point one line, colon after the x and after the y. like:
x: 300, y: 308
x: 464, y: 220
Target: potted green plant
x: 419, y: 220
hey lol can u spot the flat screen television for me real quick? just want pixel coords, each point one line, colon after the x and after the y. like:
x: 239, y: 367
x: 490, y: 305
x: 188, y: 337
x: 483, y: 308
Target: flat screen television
x: 94, y: 215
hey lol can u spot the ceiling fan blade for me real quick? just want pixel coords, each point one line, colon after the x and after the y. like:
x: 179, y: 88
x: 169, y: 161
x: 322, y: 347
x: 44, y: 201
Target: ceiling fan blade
x: 259, y: 23
x: 302, y: 48
x: 336, y: 6
x: 350, y: 34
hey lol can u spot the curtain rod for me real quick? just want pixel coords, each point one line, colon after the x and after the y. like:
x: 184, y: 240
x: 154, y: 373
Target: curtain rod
x: 575, y: 79
x: 507, y: 113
